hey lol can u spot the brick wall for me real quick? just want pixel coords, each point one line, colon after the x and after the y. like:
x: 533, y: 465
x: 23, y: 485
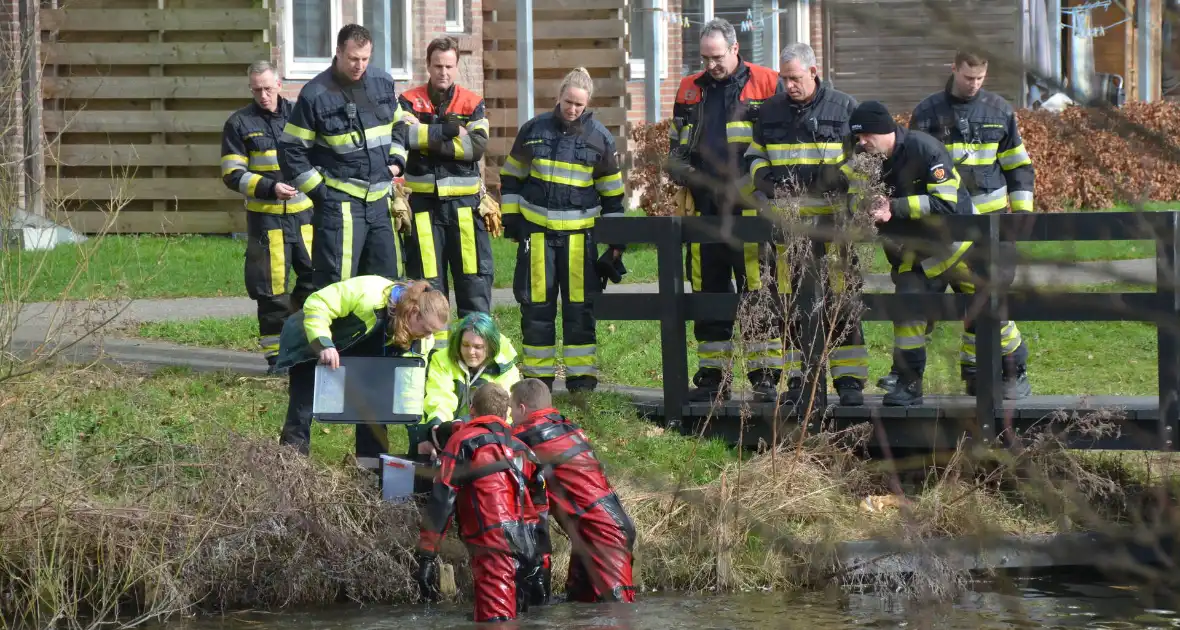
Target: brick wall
x: 11, y: 102
x: 817, y: 33
x: 672, y: 55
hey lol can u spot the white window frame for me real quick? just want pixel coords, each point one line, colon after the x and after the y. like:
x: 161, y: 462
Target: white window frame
x: 457, y: 25
x: 306, y: 67
x: 638, y: 65
x: 405, y: 73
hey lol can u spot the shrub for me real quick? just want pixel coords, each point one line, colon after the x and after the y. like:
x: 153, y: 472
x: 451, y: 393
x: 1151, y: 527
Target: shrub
x: 1084, y: 158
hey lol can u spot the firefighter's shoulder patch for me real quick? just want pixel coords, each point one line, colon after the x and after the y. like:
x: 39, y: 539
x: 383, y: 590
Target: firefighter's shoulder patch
x: 939, y: 173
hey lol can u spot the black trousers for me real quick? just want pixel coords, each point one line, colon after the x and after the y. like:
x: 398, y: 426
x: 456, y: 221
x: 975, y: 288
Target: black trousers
x: 275, y: 244
x: 371, y: 439
x: 548, y: 262
x: 449, y: 235
x: 353, y: 237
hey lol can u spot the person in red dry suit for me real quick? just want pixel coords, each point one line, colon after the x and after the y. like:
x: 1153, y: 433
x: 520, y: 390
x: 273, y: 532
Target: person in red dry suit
x: 491, y: 483
x: 581, y: 498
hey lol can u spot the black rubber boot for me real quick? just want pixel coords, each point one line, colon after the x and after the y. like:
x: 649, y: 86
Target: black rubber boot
x: 889, y: 381
x: 710, y: 386
x: 907, y: 393
x: 794, y: 393
x: 851, y: 391
x: 1016, y: 385
x: 764, y: 384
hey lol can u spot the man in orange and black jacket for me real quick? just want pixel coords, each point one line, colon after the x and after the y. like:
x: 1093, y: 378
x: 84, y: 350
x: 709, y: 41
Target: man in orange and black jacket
x: 447, y: 134
x: 711, y: 130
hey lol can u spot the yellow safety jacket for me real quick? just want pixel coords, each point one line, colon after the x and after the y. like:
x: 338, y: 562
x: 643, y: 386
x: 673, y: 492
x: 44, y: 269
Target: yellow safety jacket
x: 450, y: 385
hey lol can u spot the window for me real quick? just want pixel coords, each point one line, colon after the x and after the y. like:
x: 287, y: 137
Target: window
x: 756, y: 45
x: 309, y: 36
x: 639, y: 29
x: 455, y: 16
x: 310, y: 28
x: 389, y: 22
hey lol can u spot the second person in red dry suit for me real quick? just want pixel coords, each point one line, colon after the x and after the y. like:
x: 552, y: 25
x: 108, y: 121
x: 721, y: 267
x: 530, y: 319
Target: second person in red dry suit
x: 581, y: 498
x: 492, y: 485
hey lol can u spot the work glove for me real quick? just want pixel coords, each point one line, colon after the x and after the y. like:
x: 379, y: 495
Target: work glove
x: 489, y: 209
x: 610, y: 268
x: 427, y: 576
x: 450, y: 126
x: 538, y: 581
x: 684, y: 203
x: 399, y: 208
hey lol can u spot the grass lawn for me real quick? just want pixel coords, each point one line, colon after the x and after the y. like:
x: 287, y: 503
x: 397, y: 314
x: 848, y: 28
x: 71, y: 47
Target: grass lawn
x: 207, y: 266
x: 1065, y: 357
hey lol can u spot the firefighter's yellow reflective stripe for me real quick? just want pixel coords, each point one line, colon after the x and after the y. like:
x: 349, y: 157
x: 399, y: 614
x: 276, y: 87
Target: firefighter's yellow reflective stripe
x: 359, y: 189
x: 537, y: 279
x: 685, y: 134
x: 397, y: 255
x: 673, y: 134
x: 739, y: 131
x: 764, y: 355
x: 918, y: 206
x: 804, y: 153
x: 467, y: 241
x: 306, y: 231
x: 231, y: 162
x: 514, y: 168
x: 278, y: 263
x: 462, y: 147
x: 298, y: 135
x: 946, y: 191
x: 849, y: 361
x: 419, y: 136
x: 750, y: 258
x: 397, y: 150
x: 425, y: 234
x: 346, y: 241
x: 1022, y: 200
x: 1014, y: 158
x: 714, y: 354
x: 269, y: 345
x: 539, y: 361
x: 558, y: 172
x: 782, y: 270
x: 577, y: 270
x: 794, y: 364
x: 510, y: 204
x: 308, y: 181
x: 300, y: 203
x: 579, y: 360
x: 1009, y: 338
x: 909, y: 335
x: 760, y: 161
x: 694, y: 266
x: 353, y: 140
x: 973, y: 154
x: 835, y: 267
x: 479, y: 125
x: 264, y: 161
x: 609, y: 185
x: 991, y: 201
x: 934, y: 267
x: 558, y: 219
x: 445, y: 187
x: 249, y: 183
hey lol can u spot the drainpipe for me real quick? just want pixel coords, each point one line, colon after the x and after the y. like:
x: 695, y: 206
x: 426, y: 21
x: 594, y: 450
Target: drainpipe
x: 1081, y: 56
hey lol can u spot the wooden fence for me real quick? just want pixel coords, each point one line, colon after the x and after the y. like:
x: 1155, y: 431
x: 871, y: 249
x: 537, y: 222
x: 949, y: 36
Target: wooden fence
x: 566, y: 34
x: 134, y: 102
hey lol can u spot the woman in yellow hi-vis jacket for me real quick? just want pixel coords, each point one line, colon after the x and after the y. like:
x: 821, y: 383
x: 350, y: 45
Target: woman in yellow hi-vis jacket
x: 361, y: 316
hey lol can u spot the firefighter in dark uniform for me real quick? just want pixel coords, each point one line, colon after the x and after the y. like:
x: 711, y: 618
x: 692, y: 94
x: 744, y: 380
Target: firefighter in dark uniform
x: 798, y: 149
x: 278, y: 217
x: 446, y: 135
x: 711, y: 130
x: 980, y: 132
x: 561, y: 174
x: 922, y: 183
x: 342, y: 147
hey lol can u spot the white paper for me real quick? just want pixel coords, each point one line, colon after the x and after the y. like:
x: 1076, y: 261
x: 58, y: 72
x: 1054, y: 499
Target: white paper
x: 329, y: 390
x: 409, y: 390
x: 397, y: 478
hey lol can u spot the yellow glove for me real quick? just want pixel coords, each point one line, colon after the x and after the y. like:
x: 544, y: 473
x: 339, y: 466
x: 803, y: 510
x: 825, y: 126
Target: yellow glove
x: 399, y: 208
x: 489, y: 209
x: 684, y: 203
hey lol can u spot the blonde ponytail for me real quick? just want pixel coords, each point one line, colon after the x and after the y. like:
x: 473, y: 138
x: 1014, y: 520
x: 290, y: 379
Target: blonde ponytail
x: 577, y: 78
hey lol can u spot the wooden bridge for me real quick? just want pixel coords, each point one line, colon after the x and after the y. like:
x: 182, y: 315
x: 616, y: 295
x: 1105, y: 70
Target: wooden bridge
x: 1144, y: 423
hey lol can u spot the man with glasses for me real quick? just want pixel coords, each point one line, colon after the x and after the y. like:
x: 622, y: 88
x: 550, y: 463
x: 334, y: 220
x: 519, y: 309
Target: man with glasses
x: 278, y: 217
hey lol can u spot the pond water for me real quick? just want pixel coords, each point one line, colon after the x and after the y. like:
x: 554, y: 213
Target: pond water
x: 1016, y: 603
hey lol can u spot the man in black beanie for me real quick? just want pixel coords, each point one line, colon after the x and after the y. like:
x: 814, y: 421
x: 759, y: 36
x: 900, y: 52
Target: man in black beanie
x: 920, y: 181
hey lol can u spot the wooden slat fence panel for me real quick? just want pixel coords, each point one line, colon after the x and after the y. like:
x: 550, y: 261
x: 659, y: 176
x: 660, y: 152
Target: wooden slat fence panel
x: 134, y: 103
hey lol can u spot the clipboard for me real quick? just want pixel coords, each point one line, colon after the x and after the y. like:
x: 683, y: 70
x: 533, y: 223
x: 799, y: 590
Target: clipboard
x: 370, y: 390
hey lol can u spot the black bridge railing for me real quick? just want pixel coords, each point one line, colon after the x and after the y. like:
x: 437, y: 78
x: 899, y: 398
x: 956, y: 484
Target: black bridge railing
x: 991, y: 304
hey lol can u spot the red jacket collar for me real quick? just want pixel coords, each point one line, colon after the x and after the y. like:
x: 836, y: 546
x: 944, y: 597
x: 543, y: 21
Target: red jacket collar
x: 537, y: 417
x: 485, y: 420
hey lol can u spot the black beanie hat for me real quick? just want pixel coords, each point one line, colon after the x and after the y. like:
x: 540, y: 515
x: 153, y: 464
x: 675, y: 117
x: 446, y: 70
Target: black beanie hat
x: 871, y: 117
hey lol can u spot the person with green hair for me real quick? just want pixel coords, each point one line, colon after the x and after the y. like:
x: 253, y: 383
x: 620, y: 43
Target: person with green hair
x: 478, y: 354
